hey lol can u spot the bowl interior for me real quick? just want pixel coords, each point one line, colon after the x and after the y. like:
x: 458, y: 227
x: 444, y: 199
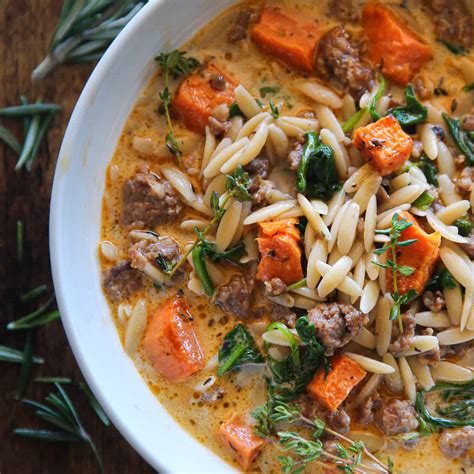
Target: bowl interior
x: 88, y: 145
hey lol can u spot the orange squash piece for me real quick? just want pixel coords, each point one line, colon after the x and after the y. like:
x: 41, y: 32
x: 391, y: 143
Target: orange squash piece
x: 384, y: 145
x: 240, y: 438
x: 421, y: 255
x: 170, y: 342
x: 196, y: 98
x: 280, y: 251
x: 287, y: 36
x: 344, y: 375
x: 400, y: 51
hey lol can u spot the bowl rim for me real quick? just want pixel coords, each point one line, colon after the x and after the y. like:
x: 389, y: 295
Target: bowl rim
x: 67, y: 317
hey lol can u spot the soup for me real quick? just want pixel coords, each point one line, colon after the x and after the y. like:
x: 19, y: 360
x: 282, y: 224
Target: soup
x: 287, y: 236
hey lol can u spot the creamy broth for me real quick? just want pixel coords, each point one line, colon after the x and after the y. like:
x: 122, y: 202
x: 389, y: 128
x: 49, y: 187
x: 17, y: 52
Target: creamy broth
x: 146, y: 129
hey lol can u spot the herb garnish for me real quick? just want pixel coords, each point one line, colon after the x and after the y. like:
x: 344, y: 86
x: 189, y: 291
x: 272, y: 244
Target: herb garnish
x: 316, y: 175
x: 423, y: 201
x: 61, y: 413
x: 411, y: 113
x: 454, y: 48
x: 84, y: 31
x: 37, y: 119
x: 274, y: 109
x: 269, y: 90
x: 464, y: 226
x: 463, y: 140
x: 429, y: 170
x: 38, y: 317
x: 175, y: 64
x: 95, y: 405
x: 237, y: 184
x: 440, y: 280
x: 237, y: 350
x: 395, y: 232
x: 468, y: 87
x: 234, y: 110
x: 8, y: 354
x: 276, y: 412
x: 458, y: 408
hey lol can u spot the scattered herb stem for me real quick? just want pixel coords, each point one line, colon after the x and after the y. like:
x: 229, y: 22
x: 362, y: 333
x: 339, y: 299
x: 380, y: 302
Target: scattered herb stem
x: 20, y: 240
x: 36, y: 318
x: 10, y: 139
x: 34, y: 293
x: 8, y: 354
x: 26, y: 366
x: 53, y: 379
x: 296, y: 285
x: 95, y: 405
x: 27, y: 110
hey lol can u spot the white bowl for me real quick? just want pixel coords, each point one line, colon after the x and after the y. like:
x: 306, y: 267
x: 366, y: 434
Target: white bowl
x: 88, y: 146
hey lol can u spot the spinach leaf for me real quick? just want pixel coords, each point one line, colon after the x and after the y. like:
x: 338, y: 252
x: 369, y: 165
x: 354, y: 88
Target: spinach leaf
x: 463, y: 140
x: 317, y: 175
x: 441, y: 279
x: 234, y: 110
x: 424, y: 201
x: 352, y: 121
x: 210, y: 249
x: 373, y: 102
x: 464, y: 226
x: 429, y: 170
x: 459, y: 405
x: 200, y: 268
x: 412, y: 113
x: 237, y: 350
x: 468, y: 87
x: 454, y: 48
x: 269, y: 90
x: 274, y: 109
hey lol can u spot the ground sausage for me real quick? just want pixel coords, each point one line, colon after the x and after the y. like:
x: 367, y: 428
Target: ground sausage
x: 148, y: 201
x: 468, y: 123
x: 452, y: 20
x: 402, y: 341
x: 235, y: 297
x: 368, y: 408
x: 258, y: 170
x: 457, y: 443
x: 239, y: 31
x: 294, y: 157
x: 344, y: 10
x: 339, y: 420
x: 431, y: 357
x: 121, y: 281
x: 396, y: 417
x: 275, y: 286
x: 434, y: 301
x: 336, y: 323
x: 464, y: 182
x: 338, y: 61
x: 158, y: 251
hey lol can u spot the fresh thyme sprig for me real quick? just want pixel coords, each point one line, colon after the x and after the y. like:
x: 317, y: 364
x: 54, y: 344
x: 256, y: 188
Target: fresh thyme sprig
x: 237, y: 184
x: 37, y: 119
x: 85, y: 30
x: 174, y: 64
x: 275, y: 412
x: 60, y: 412
x: 395, y: 233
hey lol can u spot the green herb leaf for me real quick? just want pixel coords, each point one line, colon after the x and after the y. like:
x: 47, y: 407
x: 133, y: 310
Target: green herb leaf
x: 429, y: 170
x: 440, y: 280
x: 317, y: 175
x: 454, y: 48
x: 26, y: 366
x: 99, y: 411
x: 274, y: 109
x: 234, y: 110
x: 52, y: 379
x: 34, y: 293
x: 464, y: 226
x: 352, y: 121
x: 8, y: 354
x: 237, y: 350
x: 20, y: 240
x: 238, y: 183
x: 373, y: 102
x: 176, y: 63
x: 200, y: 268
x: 462, y: 140
x: 269, y: 90
x: 424, y: 201
x: 468, y: 87
x: 19, y: 111
x: 46, y: 435
x: 10, y: 139
x: 412, y: 113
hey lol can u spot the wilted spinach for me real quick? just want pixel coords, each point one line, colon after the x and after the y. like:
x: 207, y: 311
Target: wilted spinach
x: 424, y: 201
x: 237, y: 350
x: 317, y: 175
x: 429, y: 170
x: 441, y: 279
x: 411, y: 113
x: 464, y: 226
x: 461, y: 138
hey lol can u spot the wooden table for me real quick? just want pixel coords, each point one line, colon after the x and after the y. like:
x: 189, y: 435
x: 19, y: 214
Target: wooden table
x: 25, y: 28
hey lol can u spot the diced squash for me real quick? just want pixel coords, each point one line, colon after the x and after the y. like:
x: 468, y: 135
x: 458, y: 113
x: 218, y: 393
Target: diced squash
x: 170, y: 342
x: 384, y: 145
x: 421, y: 255
x: 287, y: 36
x: 241, y: 440
x: 196, y: 98
x: 344, y: 375
x: 280, y: 251
x: 399, y: 50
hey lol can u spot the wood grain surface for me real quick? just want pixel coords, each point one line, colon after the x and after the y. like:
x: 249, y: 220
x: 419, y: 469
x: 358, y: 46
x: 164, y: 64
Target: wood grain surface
x: 25, y: 28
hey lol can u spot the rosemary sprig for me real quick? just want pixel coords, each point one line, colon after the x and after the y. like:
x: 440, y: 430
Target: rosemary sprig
x: 95, y: 405
x: 395, y: 233
x: 37, y: 119
x: 20, y: 240
x: 85, y: 30
x: 175, y: 64
x: 26, y: 366
x: 59, y: 412
x: 237, y: 184
x: 8, y: 354
x: 52, y: 379
x: 33, y: 294
x: 38, y: 317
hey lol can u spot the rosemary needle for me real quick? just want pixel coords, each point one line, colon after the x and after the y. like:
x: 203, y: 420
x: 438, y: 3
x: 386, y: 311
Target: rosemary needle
x: 7, y: 137
x: 26, y: 366
x: 20, y: 238
x: 8, y: 354
x: 25, y: 110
